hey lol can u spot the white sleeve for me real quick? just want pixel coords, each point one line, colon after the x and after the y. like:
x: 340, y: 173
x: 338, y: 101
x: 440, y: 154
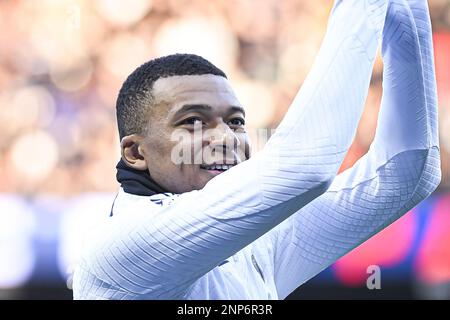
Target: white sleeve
x: 159, y: 256
x: 401, y: 168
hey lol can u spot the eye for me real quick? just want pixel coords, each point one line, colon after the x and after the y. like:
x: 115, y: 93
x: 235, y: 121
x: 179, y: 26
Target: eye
x: 237, y: 122
x: 193, y: 121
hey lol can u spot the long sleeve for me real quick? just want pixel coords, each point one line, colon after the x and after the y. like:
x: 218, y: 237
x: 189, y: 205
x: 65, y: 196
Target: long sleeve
x: 401, y: 168
x: 159, y: 255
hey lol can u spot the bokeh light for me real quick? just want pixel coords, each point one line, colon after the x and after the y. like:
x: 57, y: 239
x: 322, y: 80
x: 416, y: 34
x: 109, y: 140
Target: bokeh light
x: 34, y: 155
x: 71, y: 74
x: 433, y: 260
x: 385, y: 249
x: 210, y: 38
x: 16, y: 234
x: 26, y: 108
x: 123, y: 53
x: 123, y: 13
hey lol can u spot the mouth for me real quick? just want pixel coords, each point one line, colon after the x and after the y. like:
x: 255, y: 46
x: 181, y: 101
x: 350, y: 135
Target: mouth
x: 216, y: 168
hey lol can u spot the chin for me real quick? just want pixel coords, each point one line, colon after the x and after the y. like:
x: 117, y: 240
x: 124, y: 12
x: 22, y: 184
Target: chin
x: 190, y: 187
x: 198, y: 184
x: 201, y: 184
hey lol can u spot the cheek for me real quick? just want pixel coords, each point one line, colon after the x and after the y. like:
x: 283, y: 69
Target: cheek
x: 159, y: 151
x: 180, y: 152
x: 244, y: 146
x: 191, y: 146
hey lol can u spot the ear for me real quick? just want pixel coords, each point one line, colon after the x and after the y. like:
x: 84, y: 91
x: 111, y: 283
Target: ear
x: 132, y: 152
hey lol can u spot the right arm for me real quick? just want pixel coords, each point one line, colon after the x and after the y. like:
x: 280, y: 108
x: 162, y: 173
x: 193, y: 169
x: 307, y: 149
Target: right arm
x: 401, y: 168
x: 160, y: 255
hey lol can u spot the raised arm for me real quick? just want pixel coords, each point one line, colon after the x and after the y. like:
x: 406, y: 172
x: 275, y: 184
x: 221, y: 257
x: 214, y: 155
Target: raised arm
x: 401, y: 168
x: 160, y: 255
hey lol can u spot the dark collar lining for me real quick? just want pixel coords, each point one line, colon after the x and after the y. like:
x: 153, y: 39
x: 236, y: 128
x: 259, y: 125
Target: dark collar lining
x: 138, y: 182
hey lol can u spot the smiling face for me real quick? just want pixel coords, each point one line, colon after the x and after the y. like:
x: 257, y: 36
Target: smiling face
x: 195, y: 131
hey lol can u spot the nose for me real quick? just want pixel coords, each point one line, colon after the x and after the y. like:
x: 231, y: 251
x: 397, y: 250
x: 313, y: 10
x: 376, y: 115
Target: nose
x: 222, y: 145
x: 222, y: 136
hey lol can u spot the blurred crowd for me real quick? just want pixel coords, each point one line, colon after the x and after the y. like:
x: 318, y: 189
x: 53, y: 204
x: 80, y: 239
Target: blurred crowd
x: 62, y: 63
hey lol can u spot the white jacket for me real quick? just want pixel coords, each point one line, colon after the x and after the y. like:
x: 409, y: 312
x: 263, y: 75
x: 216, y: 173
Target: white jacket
x: 267, y: 225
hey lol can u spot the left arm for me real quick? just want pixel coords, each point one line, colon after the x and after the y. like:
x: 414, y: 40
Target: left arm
x: 401, y: 168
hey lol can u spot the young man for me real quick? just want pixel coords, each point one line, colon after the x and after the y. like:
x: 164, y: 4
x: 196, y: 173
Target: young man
x: 259, y: 227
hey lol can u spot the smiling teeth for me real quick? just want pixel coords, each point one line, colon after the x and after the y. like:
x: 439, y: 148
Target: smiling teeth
x: 217, y: 167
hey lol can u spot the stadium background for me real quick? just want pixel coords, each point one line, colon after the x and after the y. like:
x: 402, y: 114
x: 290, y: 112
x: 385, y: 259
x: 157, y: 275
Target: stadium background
x: 61, y: 66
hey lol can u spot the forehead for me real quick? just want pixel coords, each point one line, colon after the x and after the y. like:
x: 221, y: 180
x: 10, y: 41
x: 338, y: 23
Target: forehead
x: 207, y: 89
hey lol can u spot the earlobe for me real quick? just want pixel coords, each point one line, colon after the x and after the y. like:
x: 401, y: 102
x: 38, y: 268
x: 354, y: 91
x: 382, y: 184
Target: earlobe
x: 132, y: 153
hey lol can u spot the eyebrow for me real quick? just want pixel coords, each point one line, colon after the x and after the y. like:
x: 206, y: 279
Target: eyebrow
x: 205, y: 108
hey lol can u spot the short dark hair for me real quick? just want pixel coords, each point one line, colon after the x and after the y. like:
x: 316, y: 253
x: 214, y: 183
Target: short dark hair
x: 135, y: 97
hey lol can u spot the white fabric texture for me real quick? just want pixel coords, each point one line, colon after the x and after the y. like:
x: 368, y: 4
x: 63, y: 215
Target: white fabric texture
x: 267, y: 225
